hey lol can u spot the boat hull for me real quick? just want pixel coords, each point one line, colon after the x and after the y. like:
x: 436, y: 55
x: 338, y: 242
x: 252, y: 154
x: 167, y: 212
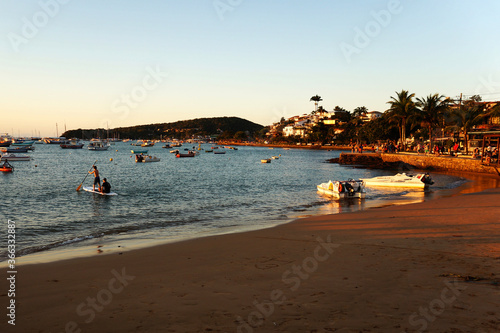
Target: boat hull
x: 347, y: 189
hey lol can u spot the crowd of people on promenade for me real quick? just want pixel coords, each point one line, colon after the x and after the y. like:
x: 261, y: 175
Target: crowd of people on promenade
x: 421, y: 148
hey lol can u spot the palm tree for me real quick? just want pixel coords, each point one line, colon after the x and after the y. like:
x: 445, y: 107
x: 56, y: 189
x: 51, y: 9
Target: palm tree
x: 402, y: 107
x: 431, y: 111
x: 316, y: 100
x: 359, y: 111
x: 466, y: 117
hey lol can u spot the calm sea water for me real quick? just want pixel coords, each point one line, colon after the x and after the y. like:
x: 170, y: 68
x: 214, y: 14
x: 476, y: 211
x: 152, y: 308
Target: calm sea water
x: 176, y: 198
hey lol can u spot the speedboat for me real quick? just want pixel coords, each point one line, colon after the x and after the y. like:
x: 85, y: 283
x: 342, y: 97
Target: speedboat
x: 421, y: 180
x: 343, y: 189
x: 146, y: 158
x: 14, y: 157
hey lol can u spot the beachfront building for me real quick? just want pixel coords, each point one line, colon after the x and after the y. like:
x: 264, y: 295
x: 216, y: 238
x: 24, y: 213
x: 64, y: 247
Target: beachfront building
x: 371, y: 115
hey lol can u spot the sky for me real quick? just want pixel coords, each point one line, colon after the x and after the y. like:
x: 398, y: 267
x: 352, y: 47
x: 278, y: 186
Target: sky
x: 107, y: 64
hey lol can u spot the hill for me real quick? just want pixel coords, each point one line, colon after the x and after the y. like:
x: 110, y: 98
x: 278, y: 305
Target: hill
x: 225, y: 127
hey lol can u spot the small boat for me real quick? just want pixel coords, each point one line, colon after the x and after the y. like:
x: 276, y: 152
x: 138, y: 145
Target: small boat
x: 421, y: 180
x: 209, y: 151
x: 343, y: 189
x: 148, y: 144
x: 13, y: 157
x: 98, y: 145
x: 146, y: 158
x: 23, y: 143
x: 71, y: 145
x: 219, y: 152
x: 6, y: 167
x: 267, y: 160
x: 140, y: 151
x: 166, y: 146
x: 14, y: 150
x: 189, y: 154
x: 275, y: 157
x: 175, y: 151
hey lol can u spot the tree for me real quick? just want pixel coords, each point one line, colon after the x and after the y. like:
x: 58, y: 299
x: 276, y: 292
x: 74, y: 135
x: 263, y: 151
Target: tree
x: 401, y: 108
x: 466, y: 117
x: 359, y: 111
x: 431, y: 111
x: 316, y: 100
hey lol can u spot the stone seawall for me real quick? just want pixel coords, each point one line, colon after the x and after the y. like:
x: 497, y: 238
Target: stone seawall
x: 425, y: 162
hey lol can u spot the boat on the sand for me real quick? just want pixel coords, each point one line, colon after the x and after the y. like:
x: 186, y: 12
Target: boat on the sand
x: 343, y: 189
x: 421, y: 180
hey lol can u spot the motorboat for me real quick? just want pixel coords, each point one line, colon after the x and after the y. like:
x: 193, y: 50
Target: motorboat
x: 175, y: 151
x: 72, y: 145
x: 14, y: 157
x: 343, y: 189
x: 146, y: 158
x: 98, y: 145
x: 421, y: 180
x: 23, y: 143
x: 266, y: 160
x: 219, y: 152
x: 188, y: 154
x: 14, y: 149
x: 6, y: 167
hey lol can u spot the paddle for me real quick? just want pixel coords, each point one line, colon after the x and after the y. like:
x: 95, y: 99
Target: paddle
x: 80, y: 186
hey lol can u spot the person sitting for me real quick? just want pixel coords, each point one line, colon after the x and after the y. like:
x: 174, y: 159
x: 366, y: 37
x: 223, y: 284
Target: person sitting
x: 105, y: 187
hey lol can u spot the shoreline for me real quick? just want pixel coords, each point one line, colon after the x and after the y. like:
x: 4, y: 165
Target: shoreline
x: 98, y: 247
x: 370, y: 270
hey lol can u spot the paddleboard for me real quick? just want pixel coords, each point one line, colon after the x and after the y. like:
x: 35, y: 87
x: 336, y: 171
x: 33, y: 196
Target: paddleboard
x: 89, y: 189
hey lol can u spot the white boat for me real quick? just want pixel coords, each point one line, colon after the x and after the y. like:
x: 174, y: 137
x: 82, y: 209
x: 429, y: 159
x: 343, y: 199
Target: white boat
x: 343, y: 189
x: 146, y: 158
x: 98, y: 145
x: 14, y: 157
x: 421, y: 180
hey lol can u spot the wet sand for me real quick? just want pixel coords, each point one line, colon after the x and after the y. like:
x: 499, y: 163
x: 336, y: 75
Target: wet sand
x: 431, y: 266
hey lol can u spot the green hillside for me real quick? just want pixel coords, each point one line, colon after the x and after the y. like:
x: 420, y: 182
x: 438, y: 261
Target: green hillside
x: 184, y: 129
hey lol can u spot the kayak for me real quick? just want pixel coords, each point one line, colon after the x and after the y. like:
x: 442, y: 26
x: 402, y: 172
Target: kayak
x: 89, y: 189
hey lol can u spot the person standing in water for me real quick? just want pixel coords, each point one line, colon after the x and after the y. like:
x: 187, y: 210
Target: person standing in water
x: 97, y: 180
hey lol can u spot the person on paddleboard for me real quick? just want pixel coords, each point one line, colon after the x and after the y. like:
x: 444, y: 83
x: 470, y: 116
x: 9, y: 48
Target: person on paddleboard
x: 97, y: 180
x: 105, y: 187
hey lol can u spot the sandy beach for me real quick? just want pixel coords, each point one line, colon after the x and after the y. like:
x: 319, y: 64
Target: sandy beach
x: 432, y: 266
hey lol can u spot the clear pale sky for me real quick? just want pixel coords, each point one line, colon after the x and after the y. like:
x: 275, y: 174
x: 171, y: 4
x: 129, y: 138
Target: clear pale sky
x: 89, y: 64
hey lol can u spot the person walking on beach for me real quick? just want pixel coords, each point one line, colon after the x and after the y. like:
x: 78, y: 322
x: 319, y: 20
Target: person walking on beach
x: 97, y: 180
